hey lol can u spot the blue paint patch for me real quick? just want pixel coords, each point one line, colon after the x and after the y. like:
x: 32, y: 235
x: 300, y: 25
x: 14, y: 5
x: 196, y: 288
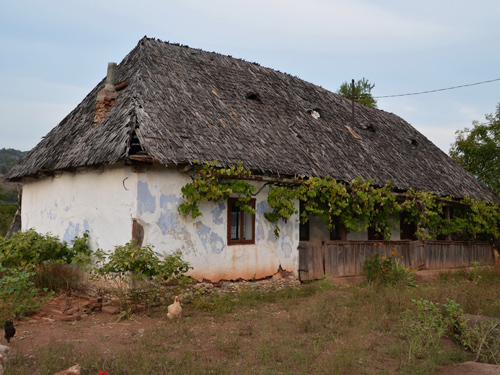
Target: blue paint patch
x: 211, y: 241
x: 66, y: 208
x: 217, y: 213
x: 170, y: 202
x: 72, y: 231
x: 146, y: 202
x: 260, y: 221
x: 168, y: 221
x: 55, y: 203
x: 169, y: 218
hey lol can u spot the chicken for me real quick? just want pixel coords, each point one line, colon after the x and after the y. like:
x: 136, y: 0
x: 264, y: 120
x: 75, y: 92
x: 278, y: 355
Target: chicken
x: 74, y: 370
x: 175, y: 309
x: 10, y: 331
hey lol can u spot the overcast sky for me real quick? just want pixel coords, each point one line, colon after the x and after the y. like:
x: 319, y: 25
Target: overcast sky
x: 53, y: 52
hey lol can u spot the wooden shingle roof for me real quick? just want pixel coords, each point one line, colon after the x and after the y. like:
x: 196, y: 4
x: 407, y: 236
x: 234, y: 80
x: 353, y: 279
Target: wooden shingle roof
x: 184, y: 104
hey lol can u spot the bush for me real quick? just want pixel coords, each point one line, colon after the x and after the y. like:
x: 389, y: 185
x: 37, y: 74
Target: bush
x: 18, y: 294
x: 388, y: 271
x: 45, y: 257
x: 31, y: 249
x: 136, y: 273
x: 7, y: 212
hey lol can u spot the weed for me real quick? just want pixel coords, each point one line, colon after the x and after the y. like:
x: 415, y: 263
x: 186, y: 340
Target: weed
x: 388, y: 270
x: 326, y: 283
x: 474, y: 275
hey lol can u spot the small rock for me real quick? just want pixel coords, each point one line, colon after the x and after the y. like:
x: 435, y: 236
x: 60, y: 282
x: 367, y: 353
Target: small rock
x: 71, y: 311
x: 110, y: 310
x: 70, y: 318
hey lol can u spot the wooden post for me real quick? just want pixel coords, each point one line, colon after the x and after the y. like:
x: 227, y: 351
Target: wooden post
x: 447, y: 216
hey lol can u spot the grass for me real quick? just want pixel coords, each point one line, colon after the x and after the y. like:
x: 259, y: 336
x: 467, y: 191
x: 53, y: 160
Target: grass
x: 312, y: 330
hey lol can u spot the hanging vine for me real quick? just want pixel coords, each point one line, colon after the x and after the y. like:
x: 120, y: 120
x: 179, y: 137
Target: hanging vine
x: 212, y: 184
x: 357, y: 205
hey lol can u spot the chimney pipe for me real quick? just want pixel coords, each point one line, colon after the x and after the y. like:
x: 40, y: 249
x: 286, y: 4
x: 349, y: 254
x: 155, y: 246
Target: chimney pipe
x: 110, y: 77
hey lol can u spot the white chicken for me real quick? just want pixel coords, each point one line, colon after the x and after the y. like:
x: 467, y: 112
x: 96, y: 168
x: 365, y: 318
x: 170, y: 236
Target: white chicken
x: 73, y: 370
x: 175, y: 309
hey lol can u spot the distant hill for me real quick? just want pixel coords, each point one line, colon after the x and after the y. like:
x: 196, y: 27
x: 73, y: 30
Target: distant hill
x: 8, y: 158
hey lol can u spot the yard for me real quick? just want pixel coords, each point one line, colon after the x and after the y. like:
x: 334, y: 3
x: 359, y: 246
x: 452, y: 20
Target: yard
x: 319, y: 328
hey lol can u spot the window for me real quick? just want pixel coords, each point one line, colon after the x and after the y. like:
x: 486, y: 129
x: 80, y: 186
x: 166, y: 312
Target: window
x: 303, y: 227
x: 373, y: 235
x: 241, y: 225
x: 337, y: 233
x: 408, y: 229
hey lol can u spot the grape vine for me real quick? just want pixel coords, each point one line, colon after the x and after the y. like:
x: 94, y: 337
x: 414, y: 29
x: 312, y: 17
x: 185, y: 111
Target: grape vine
x: 358, y: 204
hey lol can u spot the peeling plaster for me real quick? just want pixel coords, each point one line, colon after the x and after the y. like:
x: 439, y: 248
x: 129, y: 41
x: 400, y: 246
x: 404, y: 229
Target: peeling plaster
x: 217, y: 213
x: 72, y: 231
x: 210, y: 240
x: 146, y: 202
x: 169, y: 219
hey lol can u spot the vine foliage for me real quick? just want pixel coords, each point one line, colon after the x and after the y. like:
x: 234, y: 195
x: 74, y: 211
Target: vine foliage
x: 357, y: 205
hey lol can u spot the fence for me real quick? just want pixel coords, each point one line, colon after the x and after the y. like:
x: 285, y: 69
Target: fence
x: 346, y: 258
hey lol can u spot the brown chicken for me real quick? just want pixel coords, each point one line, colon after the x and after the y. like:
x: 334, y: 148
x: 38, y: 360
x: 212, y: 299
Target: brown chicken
x: 175, y: 309
x: 74, y: 370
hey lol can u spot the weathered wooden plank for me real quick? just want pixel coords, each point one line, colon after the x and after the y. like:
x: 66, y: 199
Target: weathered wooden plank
x: 310, y: 261
x: 346, y: 258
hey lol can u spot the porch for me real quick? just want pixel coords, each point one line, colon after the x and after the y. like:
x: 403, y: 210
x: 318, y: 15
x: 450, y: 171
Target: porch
x: 346, y: 258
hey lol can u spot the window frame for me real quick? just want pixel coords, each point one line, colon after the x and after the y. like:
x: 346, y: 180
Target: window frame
x: 241, y: 241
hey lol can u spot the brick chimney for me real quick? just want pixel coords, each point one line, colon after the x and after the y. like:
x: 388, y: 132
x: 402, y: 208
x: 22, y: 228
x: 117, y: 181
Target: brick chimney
x: 107, y: 96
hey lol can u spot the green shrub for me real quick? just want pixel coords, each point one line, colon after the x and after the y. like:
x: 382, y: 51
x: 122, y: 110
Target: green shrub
x: 135, y: 274
x: 31, y: 249
x: 7, y: 212
x: 46, y: 258
x: 142, y: 263
x: 474, y: 275
x: 388, y: 270
x: 18, y: 294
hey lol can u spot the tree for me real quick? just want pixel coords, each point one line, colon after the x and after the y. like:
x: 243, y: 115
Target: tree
x: 478, y: 150
x: 362, y: 92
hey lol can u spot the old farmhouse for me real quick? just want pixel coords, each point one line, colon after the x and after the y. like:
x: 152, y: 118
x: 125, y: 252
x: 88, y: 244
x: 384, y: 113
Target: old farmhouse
x: 116, y: 164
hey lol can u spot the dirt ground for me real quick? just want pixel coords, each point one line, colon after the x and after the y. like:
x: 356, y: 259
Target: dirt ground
x: 71, y: 320
x: 85, y: 329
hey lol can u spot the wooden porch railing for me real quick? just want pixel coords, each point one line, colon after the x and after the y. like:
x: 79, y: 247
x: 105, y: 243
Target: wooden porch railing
x: 346, y: 258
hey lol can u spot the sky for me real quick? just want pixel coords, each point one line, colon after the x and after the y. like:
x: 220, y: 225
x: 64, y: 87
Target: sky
x: 53, y: 53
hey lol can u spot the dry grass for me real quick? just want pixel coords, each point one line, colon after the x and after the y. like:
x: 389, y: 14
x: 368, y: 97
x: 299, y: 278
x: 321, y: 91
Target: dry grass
x: 313, y: 330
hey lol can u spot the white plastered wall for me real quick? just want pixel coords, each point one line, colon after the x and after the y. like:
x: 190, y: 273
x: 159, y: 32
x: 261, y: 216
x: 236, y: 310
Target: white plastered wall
x: 203, y: 240
x: 101, y: 202
x: 105, y: 203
